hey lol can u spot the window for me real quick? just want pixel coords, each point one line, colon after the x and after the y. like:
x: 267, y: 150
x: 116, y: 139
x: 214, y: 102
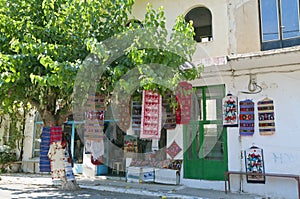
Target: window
x: 202, y: 22
x: 279, y: 23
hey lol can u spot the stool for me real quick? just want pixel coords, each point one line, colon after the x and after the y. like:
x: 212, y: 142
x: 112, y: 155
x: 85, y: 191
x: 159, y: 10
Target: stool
x: 117, y: 166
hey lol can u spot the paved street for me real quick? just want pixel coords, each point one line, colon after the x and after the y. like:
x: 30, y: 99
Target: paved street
x: 21, y: 185
x: 22, y: 188
x: 43, y: 192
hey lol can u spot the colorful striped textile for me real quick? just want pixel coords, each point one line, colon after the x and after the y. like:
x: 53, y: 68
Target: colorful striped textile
x: 68, y: 166
x: 44, y: 148
x: 94, y: 123
x: 246, y: 118
x: 170, y: 114
x: 124, y: 115
x: 229, y: 110
x: 55, y: 134
x: 184, y: 97
x: 151, y: 115
x: 136, y: 117
x: 266, y: 122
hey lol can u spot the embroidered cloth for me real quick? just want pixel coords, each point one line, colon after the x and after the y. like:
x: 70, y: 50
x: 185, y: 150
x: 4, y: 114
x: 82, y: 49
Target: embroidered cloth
x: 173, y: 149
x: 124, y: 115
x: 184, y: 97
x: 151, y: 115
x: 57, y: 156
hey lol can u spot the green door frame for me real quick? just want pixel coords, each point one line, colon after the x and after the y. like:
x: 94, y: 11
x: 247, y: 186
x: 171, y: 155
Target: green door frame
x: 198, y: 165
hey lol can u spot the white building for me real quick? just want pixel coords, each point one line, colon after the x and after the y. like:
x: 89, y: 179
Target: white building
x: 237, y: 40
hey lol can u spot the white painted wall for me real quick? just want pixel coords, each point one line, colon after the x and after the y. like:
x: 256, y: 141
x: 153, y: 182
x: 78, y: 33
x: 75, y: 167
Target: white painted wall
x: 174, y: 8
x: 281, y: 150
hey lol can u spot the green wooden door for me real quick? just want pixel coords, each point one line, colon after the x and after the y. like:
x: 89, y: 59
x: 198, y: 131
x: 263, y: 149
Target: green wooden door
x: 205, y: 139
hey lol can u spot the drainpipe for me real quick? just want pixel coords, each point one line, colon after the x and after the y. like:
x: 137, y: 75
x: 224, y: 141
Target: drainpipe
x: 241, y: 164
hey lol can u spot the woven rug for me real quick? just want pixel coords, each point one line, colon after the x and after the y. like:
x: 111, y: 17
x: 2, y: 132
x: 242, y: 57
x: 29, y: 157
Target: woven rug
x: 68, y: 166
x: 151, y: 115
x: 55, y: 134
x: 44, y: 148
x: 173, y: 149
x: 124, y: 114
x: 265, y: 109
x: 184, y: 98
x: 170, y: 115
x: 136, y: 117
x: 230, y: 110
x: 94, y: 123
x: 246, y: 118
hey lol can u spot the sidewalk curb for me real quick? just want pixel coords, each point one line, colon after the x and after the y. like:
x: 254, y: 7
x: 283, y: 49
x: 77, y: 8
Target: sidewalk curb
x: 140, y: 192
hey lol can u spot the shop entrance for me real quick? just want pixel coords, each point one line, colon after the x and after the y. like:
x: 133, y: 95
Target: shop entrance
x: 205, y: 140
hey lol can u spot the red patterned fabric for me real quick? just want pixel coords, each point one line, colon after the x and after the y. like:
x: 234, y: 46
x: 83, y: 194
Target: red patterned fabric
x: 151, y: 115
x: 55, y: 134
x: 184, y: 97
x: 94, y: 123
x: 170, y: 114
x: 173, y: 149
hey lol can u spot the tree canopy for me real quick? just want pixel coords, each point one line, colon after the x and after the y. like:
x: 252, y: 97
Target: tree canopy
x: 45, y: 43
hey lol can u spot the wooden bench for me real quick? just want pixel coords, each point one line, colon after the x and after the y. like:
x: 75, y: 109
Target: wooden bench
x: 228, y: 173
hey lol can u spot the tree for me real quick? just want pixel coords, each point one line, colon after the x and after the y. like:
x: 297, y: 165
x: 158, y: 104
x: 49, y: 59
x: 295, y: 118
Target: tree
x: 44, y: 43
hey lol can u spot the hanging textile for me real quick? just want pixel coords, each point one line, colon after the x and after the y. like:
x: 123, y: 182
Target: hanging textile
x: 55, y: 134
x: 170, y: 114
x: 230, y: 110
x: 95, y: 114
x: 151, y: 115
x: 173, y: 149
x: 68, y: 166
x: 97, y: 149
x: 44, y: 148
x: 178, y: 113
x: 266, y: 116
x: 93, y: 129
x: 136, y: 117
x: 124, y: 115
x: 254, y: 163
x: 130, y: 144
x: 246, y: 118
x: 57, y: 158
x: 184, y: 96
